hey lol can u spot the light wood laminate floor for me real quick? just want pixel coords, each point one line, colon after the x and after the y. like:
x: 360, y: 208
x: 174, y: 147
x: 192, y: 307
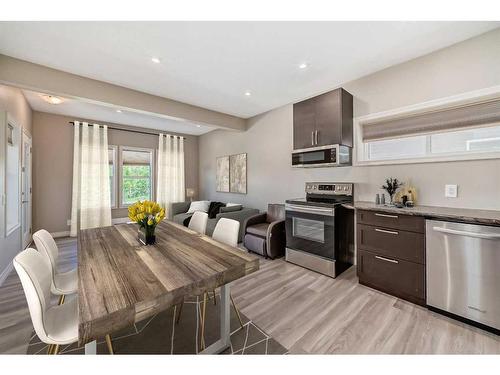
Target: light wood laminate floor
x: 310, y: 313
x: 304, y: 311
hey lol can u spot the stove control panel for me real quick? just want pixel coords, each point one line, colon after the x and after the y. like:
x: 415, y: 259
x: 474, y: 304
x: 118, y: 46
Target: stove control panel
x: 329, y: 188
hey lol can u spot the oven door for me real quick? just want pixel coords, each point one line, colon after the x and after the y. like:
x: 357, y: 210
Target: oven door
x: 311, y: 229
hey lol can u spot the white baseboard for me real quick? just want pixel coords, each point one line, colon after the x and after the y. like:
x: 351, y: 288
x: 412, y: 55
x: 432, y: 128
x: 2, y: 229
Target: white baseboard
x: 6, y: 272
x: 60, y: 234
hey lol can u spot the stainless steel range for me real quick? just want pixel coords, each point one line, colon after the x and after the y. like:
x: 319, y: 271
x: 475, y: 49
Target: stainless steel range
x: 320, y: 228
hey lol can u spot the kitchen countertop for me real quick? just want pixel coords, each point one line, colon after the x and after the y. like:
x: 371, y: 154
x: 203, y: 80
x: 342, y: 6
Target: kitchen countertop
x: 487, y: 217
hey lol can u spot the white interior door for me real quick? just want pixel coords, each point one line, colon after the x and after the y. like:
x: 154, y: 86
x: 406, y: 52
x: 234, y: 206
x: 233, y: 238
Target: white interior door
x: 26, y: 189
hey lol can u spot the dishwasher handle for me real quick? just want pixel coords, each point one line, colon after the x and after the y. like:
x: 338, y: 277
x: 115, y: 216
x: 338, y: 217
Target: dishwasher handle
x: 484, y: 236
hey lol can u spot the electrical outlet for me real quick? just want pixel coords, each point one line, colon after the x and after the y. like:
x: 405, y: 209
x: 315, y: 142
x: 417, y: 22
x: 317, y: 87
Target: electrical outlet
x: 451, y: 191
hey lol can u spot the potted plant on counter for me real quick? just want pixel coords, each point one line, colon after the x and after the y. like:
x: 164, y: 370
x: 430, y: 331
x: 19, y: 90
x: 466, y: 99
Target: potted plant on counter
x: 391, y: 186
x: 148, y: 215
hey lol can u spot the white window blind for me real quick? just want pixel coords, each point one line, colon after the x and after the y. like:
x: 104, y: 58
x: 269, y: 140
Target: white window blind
x: 486, y: 113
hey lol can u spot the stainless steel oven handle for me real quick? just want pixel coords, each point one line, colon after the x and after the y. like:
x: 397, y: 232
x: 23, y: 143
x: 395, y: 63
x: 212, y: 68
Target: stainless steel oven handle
x: 484, y: 236
x: 309, y: 209
x: 312, y: 138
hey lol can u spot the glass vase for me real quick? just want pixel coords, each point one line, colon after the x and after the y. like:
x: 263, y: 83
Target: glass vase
x: 146, y: 235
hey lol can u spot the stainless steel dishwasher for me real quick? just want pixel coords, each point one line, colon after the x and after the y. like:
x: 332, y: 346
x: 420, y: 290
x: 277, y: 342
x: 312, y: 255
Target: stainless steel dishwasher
x: 463, y: 270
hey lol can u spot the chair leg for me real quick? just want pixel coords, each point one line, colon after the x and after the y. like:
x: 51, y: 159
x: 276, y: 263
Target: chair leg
x: 203, y: 314
x: 53, y: 349
x: 61, y: 299
x: 236, y: 310
x: 180, y: 311
x: 109, y: 344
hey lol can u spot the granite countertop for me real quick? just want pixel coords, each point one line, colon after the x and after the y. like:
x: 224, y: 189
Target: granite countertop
x: 487, y: 217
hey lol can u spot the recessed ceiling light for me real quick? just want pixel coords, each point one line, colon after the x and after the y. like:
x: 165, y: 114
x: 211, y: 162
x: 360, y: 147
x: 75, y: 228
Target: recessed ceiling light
x: 303, y: 66
x: 156, y: 60
x: 118, y: 111
x: 52, y: 99
x: 198, y: 126
x: 248, y: 93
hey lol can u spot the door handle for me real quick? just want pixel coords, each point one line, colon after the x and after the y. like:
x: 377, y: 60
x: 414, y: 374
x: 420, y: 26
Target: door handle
x: 386, y: 231
x: 484, y: 236
x: 310, y: 210
x: 387, y: 259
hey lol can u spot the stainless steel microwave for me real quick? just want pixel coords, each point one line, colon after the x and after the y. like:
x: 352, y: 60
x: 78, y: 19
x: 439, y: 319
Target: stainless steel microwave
x: 322, y: 156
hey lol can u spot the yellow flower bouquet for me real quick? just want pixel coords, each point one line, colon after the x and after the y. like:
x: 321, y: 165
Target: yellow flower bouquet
x: 148, y: 215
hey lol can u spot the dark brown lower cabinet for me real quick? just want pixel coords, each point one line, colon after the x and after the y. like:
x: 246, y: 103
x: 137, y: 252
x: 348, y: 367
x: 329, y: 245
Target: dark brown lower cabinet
x: 397, y: 277
x: 391, y: 254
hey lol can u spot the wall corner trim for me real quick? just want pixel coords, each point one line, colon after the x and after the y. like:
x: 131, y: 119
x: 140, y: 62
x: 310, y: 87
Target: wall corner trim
x: 6, y: 272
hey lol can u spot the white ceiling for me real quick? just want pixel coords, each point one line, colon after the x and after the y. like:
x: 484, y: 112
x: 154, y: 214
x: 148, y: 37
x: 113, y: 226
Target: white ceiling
x: 212, y: 64
x: 91, y: 111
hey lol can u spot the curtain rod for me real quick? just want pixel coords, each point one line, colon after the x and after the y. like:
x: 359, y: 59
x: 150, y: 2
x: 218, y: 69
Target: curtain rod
x: 135, y: 131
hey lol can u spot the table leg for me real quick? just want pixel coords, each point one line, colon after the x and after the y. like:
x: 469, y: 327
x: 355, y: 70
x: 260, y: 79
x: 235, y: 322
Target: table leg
x: 91, y: 347
x: 225, y: 331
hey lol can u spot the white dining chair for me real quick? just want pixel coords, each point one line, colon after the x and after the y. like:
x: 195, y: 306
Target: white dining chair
x: 63, y: 283
x: 198, y: 222
x: 54, y: 324
x: 226, y: 231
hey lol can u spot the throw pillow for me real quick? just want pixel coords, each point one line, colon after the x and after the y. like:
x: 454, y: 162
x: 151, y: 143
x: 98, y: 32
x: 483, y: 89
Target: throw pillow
x: 198, y: 206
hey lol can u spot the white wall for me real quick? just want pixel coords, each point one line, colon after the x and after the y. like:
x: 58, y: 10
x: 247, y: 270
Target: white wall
x: 12, y: 100
x: 467, y: 66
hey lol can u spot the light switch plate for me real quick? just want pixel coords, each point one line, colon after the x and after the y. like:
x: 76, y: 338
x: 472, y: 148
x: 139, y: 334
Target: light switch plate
x: 451, y: 191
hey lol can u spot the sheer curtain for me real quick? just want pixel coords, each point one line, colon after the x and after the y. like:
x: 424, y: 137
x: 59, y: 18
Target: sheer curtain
x: 170, y: 182
x: 91, y: 206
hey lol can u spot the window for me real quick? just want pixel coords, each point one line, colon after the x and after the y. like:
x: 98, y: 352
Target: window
x: 112, y: 175
x: 454, y: 143
x: 136, y: 175
x: 403, y: 148
x: 12, y: 172
x: 461, y: 127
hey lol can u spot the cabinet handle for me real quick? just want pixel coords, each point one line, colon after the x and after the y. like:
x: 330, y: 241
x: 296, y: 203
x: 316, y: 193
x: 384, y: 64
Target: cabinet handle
x: 386, y: 231
x: 387, y: 259
x: 312, y: 138
x: 385, y: 215
x: 316, y: 137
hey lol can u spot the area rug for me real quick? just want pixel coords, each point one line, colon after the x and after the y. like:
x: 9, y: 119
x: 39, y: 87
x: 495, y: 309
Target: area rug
x: 161, y: 334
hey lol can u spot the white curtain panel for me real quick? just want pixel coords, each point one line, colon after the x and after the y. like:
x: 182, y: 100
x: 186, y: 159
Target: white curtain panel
x: 170, y: 182
x: 91, y: 206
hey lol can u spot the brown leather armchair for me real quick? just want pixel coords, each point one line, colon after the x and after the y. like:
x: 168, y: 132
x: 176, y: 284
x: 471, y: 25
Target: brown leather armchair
x: 264, y: 233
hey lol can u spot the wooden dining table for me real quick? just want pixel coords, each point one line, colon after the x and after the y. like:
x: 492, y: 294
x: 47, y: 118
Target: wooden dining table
x: 121, y: 281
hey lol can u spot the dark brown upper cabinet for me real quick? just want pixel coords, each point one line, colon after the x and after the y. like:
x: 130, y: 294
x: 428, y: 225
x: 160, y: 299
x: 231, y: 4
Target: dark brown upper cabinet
x: 323, y: 120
